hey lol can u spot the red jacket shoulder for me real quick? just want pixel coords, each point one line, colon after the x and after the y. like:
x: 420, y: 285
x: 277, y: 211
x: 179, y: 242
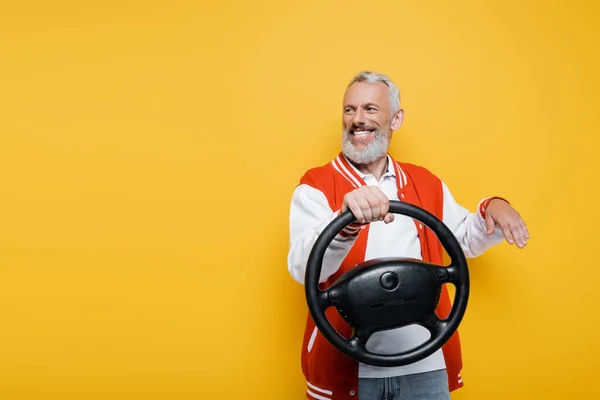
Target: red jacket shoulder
x: 418, y: 172
x: 319, y: 177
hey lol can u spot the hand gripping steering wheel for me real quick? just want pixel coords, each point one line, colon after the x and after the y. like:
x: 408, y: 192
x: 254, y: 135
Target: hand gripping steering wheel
x: 388, y: 293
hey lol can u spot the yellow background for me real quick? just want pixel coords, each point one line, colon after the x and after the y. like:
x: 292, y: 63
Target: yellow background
x: 148, y: 152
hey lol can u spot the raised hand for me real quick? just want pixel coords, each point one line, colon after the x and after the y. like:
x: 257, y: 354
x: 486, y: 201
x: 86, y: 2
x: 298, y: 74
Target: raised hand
x: 500, y: 213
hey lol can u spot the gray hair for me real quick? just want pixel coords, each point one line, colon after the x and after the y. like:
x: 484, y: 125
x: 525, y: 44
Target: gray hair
x: 374, y: 77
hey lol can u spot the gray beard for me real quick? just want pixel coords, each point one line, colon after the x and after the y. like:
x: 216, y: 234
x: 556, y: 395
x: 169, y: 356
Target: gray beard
x: 373, y: 152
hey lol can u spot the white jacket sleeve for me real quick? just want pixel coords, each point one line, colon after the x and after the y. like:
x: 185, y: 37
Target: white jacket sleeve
x: 309, y: 215
x: 468, y: 227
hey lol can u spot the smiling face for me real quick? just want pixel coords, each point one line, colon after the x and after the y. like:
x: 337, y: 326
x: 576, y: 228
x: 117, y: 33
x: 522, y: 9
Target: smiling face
x: 367, y: 122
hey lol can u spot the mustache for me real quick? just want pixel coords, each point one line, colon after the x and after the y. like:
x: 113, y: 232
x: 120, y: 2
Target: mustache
x: 365, y: 127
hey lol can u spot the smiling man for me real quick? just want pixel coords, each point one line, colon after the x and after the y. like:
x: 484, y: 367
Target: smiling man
x: 363, y: 178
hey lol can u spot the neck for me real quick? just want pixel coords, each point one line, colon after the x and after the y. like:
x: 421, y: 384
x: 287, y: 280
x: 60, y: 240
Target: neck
x: 376, y: 168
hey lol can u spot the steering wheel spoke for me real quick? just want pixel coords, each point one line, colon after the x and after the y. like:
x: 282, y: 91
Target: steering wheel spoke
x: 329, y: 297
x: 434, y: 324
x: 442, y: 274
x: 450, y: 274
x: 324, y: 301
x: 362, y: 334
x: 358, y: 344
x: 454, y: 273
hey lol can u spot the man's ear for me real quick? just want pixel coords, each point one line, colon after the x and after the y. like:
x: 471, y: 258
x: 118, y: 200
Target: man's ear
x: 397, y: 119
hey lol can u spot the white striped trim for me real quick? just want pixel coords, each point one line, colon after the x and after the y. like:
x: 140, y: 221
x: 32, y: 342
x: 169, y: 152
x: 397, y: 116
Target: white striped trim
x: 403, y: 179
x: 311, y: 341
x: 317, y: 396
x: 318, y: 389
x: 350, y: 230
x: 348, y: 172
x: 338, y: 170
x: 347, y: 234
x: 351, y: 169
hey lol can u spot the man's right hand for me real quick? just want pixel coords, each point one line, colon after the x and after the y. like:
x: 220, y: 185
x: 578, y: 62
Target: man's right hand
x: 368, y: 204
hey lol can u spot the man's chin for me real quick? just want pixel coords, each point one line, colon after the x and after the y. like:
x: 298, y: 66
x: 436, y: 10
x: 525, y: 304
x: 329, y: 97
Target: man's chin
x: 361, y: 156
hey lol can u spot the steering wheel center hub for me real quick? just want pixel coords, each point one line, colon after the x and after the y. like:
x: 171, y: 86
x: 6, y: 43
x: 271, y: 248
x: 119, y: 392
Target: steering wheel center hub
x: 389, y: 280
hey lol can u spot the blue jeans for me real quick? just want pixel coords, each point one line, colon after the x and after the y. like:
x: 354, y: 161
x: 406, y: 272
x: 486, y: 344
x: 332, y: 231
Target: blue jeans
x: 426, y: 386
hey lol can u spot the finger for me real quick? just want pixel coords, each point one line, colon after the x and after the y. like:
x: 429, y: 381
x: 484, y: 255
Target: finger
x: 521, y: 235
x: 374, y: 202
x: 383, y: 201
x: 506, y: 232
x: 525, y: 228
x: 517, y: 234
x: 354, y: 207
x: 521, y: 225
x: 389, y: 217
x: 365, y: 207
x: 385, y: 204
x: 489, y: 222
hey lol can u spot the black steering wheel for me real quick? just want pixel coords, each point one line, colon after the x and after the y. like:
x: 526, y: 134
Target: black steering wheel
x: 388, y: 293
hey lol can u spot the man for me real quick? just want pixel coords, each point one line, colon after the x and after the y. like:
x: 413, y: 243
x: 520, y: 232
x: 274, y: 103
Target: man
x: 363, y: 178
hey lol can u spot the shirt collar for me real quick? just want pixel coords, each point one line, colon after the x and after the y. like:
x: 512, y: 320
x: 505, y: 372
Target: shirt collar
x: 389, y: 172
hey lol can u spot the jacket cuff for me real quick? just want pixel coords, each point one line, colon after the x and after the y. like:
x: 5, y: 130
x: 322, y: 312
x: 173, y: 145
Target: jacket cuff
x: 351, y: 230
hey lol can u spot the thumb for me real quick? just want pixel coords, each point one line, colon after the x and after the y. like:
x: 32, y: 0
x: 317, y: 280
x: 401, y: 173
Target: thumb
x: 489, y: 222
x: 389, y: 217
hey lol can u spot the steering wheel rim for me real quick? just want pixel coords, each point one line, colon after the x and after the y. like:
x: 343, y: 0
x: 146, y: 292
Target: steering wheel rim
x: 441, y: 330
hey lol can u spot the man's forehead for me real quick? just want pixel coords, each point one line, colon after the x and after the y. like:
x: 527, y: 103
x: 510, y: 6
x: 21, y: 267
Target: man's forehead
x: 364, y: 91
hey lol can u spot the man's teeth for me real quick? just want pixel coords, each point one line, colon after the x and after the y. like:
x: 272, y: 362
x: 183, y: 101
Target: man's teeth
x: 361, y: 133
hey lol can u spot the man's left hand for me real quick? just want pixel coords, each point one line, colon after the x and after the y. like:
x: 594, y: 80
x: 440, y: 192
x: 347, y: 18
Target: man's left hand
x: 500, y: 213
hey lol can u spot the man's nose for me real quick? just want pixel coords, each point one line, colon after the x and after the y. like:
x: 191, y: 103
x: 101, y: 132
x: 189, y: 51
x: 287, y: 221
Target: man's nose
x: 358, y: 117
